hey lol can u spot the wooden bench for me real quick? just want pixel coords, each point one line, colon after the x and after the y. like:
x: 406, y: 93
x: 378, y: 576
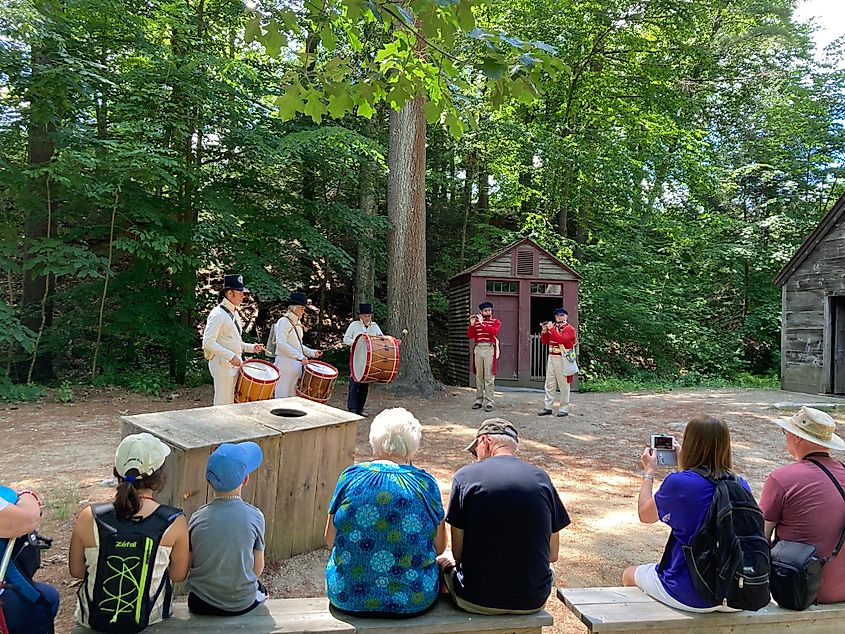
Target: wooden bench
x: 631, y: 610
x: 313, y: 616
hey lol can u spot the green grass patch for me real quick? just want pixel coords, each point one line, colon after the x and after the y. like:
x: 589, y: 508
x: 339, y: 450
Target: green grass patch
x: 61, y: 503
x: 689, y: 380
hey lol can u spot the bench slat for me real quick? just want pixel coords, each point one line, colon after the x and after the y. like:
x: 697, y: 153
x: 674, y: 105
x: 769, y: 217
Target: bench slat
x: 312, y: 616
x: 631, y: 610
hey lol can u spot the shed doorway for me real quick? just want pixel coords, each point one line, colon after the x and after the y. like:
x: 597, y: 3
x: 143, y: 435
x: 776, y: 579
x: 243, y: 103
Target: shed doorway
x: 837, y: 339
x: 542, y: 309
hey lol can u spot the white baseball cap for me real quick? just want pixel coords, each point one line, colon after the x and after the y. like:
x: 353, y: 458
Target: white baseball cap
x: 143, y: 452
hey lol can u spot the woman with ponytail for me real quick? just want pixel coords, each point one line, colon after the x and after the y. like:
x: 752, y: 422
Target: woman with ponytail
x: 139, y: 469
x: 385, y: 527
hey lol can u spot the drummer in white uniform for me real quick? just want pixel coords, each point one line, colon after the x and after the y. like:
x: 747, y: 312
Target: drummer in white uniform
x: 221, y: 340
x: 364, y: 325
x: 290, y: 351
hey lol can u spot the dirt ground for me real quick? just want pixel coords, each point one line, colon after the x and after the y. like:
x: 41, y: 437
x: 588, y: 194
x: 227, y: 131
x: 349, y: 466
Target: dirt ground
x: 65, y: 451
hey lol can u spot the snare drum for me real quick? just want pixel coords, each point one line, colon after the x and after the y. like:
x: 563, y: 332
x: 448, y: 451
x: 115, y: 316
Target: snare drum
x: 256, y: 381
x: 374, y: 359
x: 317, y: 381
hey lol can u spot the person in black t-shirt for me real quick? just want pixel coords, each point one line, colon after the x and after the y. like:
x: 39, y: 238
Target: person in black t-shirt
x: 504, y: 515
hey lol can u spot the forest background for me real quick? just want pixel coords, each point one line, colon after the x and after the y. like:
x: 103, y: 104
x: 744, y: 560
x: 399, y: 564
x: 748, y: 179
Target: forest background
x: 674, y: 153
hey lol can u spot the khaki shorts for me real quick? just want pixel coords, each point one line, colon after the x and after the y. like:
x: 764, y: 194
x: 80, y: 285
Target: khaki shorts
x: 449, y: 579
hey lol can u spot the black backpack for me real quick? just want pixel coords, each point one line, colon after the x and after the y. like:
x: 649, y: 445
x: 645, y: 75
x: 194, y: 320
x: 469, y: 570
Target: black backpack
x: 122, y: 600
x: 728, y: 558
x: 25, y: 562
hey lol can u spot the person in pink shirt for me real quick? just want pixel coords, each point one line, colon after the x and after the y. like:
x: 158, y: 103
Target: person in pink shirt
x: 800, y: 503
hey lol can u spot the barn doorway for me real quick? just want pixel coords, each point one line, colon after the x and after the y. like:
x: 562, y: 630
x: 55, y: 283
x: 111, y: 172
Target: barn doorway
x: 837, y: 339
x: 542, y: 309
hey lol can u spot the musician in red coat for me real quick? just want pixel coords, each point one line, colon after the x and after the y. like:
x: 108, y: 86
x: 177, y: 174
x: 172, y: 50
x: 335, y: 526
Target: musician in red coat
x: 560, y: 337
x: 482, y: 329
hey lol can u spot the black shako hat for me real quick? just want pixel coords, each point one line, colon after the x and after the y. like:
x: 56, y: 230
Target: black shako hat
x: 298, y: 299
x: 234, y: 282
x: 365, y: 309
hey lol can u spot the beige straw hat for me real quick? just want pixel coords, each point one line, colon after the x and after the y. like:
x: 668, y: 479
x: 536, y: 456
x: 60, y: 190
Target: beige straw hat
x: 813, y: 425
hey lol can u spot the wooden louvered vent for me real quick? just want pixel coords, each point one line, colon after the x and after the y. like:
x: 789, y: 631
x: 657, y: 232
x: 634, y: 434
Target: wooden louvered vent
x: 525, y: 263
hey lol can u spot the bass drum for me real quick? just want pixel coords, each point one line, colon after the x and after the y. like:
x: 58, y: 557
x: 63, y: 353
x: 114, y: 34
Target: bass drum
x: 317, y: 381
x: 374, y: 359
x: 256, y: 381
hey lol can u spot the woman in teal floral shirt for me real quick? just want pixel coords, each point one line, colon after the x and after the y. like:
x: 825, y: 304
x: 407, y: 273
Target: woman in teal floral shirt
x: 385, y: 527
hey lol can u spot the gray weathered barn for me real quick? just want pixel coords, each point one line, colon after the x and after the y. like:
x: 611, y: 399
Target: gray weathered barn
x: 813, y: 310
x: 525, y: 283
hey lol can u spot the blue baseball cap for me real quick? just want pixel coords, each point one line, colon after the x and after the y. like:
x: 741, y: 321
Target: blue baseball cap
x: 230, y: 463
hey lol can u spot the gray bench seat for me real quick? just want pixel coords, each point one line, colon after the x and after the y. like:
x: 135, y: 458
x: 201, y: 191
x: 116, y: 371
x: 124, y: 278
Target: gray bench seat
x: 313, y: 616
x: 631, y: 610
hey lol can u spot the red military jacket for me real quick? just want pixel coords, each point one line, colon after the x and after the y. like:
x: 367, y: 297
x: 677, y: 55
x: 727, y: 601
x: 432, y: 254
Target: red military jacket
x: 485, y: 331
x: 562, y: 338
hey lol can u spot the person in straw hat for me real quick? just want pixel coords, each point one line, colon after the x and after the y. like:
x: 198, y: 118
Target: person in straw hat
x: 799, y: 501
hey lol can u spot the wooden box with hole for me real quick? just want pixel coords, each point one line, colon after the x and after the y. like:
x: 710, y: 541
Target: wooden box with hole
x: 306, y: 445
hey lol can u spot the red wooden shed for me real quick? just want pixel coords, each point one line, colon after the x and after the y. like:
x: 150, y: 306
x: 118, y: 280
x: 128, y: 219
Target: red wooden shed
x: 525, y: 283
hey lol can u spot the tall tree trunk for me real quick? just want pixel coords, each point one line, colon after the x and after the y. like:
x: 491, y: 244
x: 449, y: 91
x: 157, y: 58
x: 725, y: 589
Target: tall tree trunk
x: 407, y: 290
x: 526, y: 179
x: 483, y: 190
x: 365, y: 270
x: 564, y: 205
x: 466, y: 201
x: 36, y: 298
x: 186, y: 139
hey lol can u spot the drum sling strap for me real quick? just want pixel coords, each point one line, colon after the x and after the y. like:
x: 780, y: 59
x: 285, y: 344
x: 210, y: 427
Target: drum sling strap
x: 301, y: 347
x: 231, y: 314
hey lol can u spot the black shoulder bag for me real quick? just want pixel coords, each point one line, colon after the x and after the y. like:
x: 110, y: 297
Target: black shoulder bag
x: 796, y: 568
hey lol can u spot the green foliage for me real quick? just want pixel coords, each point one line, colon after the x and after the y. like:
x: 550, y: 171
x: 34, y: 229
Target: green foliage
x: 13, y: 392
x: 150, y: 380
x: 674, y: 154
x: 413, y: 49
x: 64, y: 393
x: 12, y: 331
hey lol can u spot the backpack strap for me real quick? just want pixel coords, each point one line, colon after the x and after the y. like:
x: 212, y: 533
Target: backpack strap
x: 842, y: 493
x: 168, y: 513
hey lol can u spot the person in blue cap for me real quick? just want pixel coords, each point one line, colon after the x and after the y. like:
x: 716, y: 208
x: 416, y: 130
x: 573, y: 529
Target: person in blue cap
x: 560, y: 337
x: 483, y: 329
x: 227, y: 538
x: 364, y: 325
x: 290, y: 351
x: 221, y: 339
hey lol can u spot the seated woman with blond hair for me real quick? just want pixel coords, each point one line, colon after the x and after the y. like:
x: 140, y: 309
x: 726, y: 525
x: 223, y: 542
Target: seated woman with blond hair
x: 385, y: 527
x: 682, y: 502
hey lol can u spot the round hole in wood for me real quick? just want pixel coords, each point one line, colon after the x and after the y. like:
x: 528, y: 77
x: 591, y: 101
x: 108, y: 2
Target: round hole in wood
x: 288, y: 412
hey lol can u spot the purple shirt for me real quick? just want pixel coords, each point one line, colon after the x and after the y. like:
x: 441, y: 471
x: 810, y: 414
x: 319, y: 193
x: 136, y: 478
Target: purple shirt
x: 682, y: 502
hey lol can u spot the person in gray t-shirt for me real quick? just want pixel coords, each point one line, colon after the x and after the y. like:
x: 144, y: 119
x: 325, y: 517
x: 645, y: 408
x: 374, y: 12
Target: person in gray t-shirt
x: 227, y: 538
